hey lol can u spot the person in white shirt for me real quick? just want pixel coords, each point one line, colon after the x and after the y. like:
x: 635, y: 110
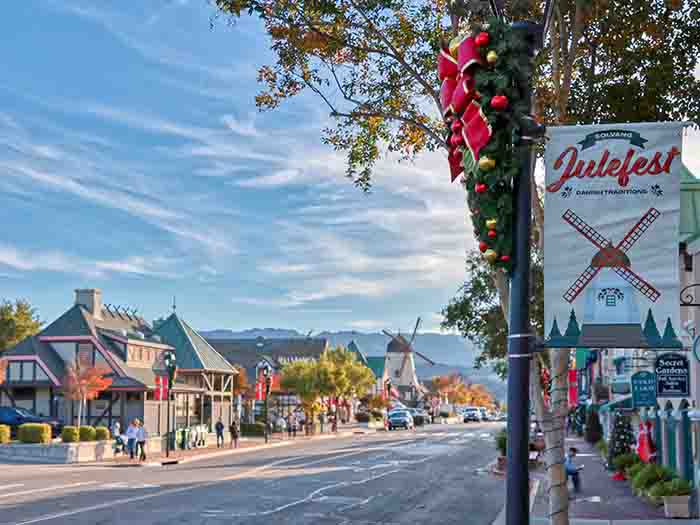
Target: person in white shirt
x: 141, y: 436
x: 131, y: 437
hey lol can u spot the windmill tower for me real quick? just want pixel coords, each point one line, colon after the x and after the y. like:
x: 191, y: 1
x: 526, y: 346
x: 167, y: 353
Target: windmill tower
x: 401, y: 365
x: 611, y: 309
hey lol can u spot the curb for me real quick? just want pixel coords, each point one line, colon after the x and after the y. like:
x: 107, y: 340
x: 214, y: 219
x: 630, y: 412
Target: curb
x: 179, y: 461
x: 501, y: 518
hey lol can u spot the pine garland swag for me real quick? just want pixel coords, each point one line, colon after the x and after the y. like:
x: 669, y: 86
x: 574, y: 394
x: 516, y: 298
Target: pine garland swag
x: 499, y: 83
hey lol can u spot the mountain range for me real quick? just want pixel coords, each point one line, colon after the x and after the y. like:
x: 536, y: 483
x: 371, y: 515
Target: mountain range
x: 451, y: 353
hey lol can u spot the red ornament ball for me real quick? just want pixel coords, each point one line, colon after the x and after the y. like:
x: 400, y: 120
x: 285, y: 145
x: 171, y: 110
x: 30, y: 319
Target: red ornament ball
x: 505, y: 258
x: 499, y: 102
x: 483, y: 246
x: 480, y: 188
x: 493, y: 234
x: 482, y: 39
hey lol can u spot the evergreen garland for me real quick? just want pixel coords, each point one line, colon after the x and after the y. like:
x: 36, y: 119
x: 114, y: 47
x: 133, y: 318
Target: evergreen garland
x: 505, y: 72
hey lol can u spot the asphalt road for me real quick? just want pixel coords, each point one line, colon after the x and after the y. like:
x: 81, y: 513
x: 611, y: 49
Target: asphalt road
x: 434, y: 475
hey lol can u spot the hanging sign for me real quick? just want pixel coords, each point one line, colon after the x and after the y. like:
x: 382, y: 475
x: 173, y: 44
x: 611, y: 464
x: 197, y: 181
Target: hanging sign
x: 672, y: 375
x: 611, y: 236
x: 643, y: 389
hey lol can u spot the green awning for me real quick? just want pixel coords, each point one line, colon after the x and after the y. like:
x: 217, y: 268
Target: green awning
x: 690, y: 206
x: 625, y: 404
x: 581, y: 357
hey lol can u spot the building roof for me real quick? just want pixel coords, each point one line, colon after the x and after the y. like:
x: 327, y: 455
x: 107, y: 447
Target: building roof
x: 192, y: 350
x: 31, y: 346
x: 247, y: 353
x: 690, y: 206
x: 352, y: 347
x: 376, y: 365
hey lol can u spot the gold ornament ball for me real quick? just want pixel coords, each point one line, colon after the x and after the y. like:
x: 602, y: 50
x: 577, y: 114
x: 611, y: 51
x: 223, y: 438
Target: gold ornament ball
x: 486, y: 164
x: 491, y: 256
x: 491, y: 223
x: 454, y: 45
x: 492, y: 57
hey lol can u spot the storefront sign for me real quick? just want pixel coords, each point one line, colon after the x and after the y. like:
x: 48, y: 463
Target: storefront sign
x: 612, y: 215
x: 672, y: 375
x: 643, y: 389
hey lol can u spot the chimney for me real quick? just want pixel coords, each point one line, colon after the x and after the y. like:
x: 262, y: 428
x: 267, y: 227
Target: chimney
x: 91, y: 300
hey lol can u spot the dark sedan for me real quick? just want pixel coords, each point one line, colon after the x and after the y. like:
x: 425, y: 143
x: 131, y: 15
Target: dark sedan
x: 15, y: 416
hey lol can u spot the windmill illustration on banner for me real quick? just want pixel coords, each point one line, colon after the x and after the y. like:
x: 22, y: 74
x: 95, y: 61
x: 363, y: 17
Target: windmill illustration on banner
x: 401, y: 366
x: 611, y: 310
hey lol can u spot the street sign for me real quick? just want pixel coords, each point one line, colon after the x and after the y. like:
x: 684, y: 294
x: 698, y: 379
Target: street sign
x: 672, y: 375
x: 612, y: 215
x: 643, y: 389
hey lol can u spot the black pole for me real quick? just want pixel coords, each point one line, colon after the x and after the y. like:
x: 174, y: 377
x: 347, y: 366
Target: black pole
x: 520, y: 336
x: 167, y: 439
x: 267, y: 410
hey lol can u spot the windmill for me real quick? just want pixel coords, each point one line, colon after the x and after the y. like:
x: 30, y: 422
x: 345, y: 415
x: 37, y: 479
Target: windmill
x: 611, y: 311
x: 400, y: 363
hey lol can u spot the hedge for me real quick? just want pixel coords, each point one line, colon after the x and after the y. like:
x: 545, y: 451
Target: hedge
x: 4, y: 434
x: 88, y: 433
x: 252, y: 429
x: 34, y: 433
x: 70, y: 434
x: 102, y: 434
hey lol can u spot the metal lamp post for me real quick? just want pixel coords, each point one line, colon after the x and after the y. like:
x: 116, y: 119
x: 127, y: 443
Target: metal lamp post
x: 268, y: 384
x: 171, y: 365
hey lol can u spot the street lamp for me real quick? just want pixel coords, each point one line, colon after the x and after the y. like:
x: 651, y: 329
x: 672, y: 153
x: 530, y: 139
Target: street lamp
x: 268, y: 384
x: 171, y: 365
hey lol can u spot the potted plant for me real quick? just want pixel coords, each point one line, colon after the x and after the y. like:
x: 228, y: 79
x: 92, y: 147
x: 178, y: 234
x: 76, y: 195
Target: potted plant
x: 502, y: 445
x: 676, y: 496
x: 622, y: 463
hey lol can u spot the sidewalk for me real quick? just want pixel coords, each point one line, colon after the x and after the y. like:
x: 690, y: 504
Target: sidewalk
x: 601, y: 501
x: 246, y: 444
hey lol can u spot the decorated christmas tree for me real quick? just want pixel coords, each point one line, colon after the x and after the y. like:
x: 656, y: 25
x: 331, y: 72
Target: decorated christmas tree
x: 622, y: 438
x: 651, y: 332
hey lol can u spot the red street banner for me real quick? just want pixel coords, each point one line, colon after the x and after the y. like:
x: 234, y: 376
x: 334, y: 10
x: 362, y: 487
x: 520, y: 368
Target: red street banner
x: 259, y: 390
x: 573, y: 388
x: 161, y: 391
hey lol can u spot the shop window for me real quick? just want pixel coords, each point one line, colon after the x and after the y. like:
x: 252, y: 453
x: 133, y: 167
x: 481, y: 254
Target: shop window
x: 23, y: 394
x: 14, y: 371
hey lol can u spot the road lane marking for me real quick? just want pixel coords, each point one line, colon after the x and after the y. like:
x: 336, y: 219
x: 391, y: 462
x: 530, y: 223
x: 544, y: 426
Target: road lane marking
x: 13, y: 486
x: 178, y: 490
x: 46, y: 489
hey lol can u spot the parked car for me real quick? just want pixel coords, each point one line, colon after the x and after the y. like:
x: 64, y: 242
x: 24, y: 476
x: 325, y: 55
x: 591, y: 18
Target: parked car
x: 15, y: 416
x: 401, y: 419
x: 471, y: 414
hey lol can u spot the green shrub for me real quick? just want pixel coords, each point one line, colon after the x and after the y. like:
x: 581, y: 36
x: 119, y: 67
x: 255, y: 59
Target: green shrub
x: 502, y: 442
x: 633, y: 470
x: 253, y: 429
x: 70, y: 434
x: 650, y: 475
x: 602, y: 447
x: 5, y: 434
x: 678, y: 487
x: 87, y: 433
x: 594, y: 430
x: 34, y: 433
x: 102, y: 434
x: 623, y: 461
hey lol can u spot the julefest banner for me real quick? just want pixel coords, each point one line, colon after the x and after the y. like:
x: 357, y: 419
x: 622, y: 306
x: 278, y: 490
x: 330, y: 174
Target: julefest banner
x: 611, y: 236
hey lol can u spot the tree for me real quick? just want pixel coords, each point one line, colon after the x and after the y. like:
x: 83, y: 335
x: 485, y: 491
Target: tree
x: 18, y: 320
x: 651, y: 331
x: 309, y: 380
x: 84, y: 384
x: 670, y: 339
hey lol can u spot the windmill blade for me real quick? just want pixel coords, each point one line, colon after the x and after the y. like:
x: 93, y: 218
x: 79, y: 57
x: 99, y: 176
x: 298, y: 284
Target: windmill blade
x: 388, y: 334
x: 638, y: 229
x: 585, y: 229
x: 415, y: 329
x: 429, y: 361
x: 579, y: 284
x: 640, y: 284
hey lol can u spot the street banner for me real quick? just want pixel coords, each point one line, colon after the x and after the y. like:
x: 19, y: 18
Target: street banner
x: 611, y: 234
x: 643, y: 389
x: 672, y: 375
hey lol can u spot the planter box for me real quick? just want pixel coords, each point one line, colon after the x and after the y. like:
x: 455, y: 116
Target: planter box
x: 677, y: 506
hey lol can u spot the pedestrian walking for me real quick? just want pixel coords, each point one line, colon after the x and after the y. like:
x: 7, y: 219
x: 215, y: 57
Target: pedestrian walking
x: 289, y: 426
x: 233, y: 430
x: 141, y: 438
x: 131, y: 437
x: 219, y: 433
x: 119, y: 444
x: 293, y: 424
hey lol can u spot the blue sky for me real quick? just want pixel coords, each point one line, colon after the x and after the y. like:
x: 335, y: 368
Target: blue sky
x: 133, y: 159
